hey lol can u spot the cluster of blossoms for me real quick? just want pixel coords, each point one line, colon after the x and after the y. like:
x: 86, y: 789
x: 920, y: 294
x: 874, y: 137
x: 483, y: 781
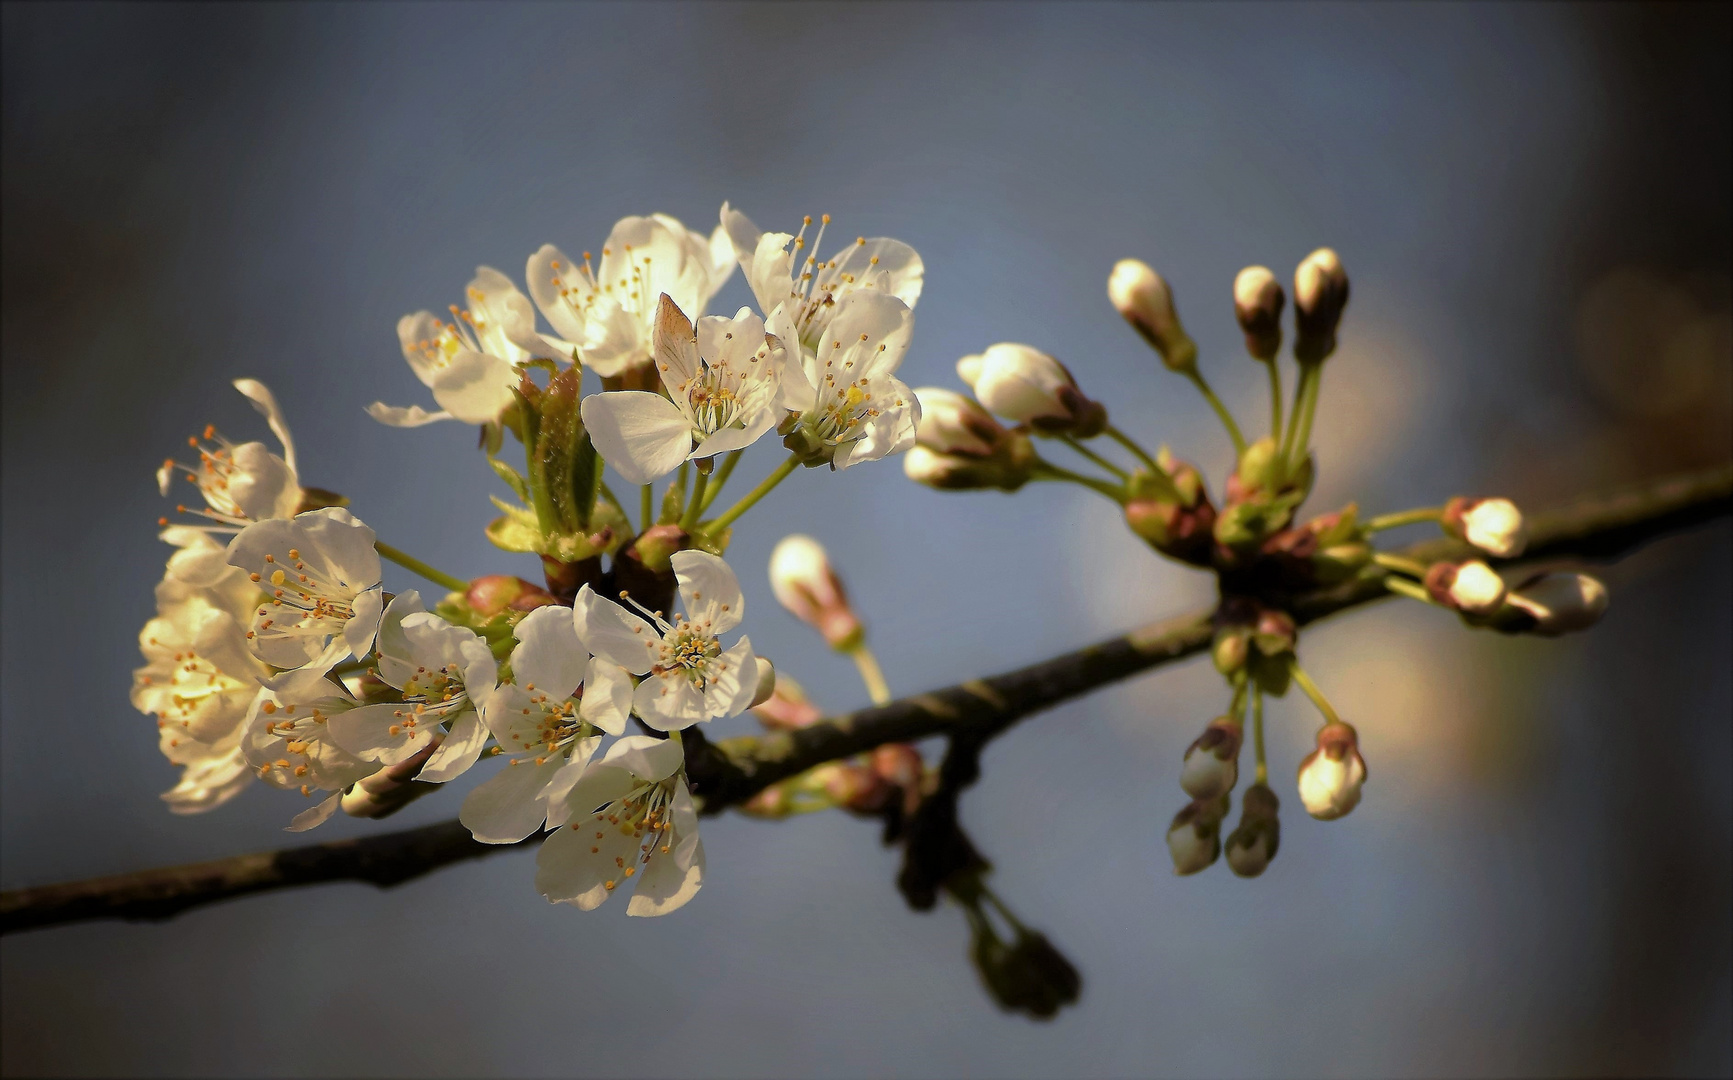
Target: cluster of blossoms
x: 277, y: 656
x: 1264, y: 558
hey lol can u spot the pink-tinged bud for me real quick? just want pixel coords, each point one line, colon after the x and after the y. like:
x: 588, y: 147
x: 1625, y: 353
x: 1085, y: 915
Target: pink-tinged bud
x: 391, y: 788
x: 775, y: 801
x: 766, y: 682
x: 1144, y: 300
x: 1495, y: 526
x: 1252, y: 845
x: 1006, y: 471
x: 490, y: 595
x: 1212, y: 766
x: 787, y: 707
x: 1276, y: 633
x: 1194, y: 840
x: 804, y: 583
x: 657, y: 546
x: 1320, y: 294
x: 856, y: 787
x: 1473, y: 587
x: 1560, y: 603
x: 1330, y: 776
x: 899, y: 764
x: 952, y: 423
x: 1027, y: 386
x: 1258, y: 300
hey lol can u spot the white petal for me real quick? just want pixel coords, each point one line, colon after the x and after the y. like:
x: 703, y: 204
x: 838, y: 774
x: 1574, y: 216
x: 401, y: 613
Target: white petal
x: 772, y: 275
x: 359, y: 630
x: 669, y: 702
x: 735, y: 438
x: 730, y: 693
x: 507, y: 807
x: 366, y: 732
x: 316, y: 816
x: 742, y: 237
x: 458, y: 752
x: 416, y: 334
x: 412, y: 416
x: 568, y: 872
x: 613, y: 633
x: 709, y: 591
x: 266, y: 402
x: 643, y: 436
x: 474, y: 387
x: 646, y: 757
x: 607, y: 696
x: 666, y: 885
x: 511, y: 318
x: 548, y: 274
x: 675, y: 346
x: 396, y: 657
x: 263, y: 486
x: 555, y: 796
x: 549, y: 655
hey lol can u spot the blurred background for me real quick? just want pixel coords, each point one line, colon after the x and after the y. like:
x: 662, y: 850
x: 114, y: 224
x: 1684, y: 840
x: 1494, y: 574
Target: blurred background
x: 1533, y: 203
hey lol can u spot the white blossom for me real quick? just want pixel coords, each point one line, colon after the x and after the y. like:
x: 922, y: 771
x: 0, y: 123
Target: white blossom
x: 1495, y: 526
x: 321, y: 578
x: 470, y: 363
x: 851, y: 406
x: 240, y: 483
x: 690, y: 678
x: 544, y: 732
x: 632, y: 819
x: 724, y: 385
x: 288, y: 741
x: 606, y: 313
x: 813, y: 291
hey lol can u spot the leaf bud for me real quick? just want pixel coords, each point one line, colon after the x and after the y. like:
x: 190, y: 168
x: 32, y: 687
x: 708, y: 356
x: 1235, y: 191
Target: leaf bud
x: 494, y: 593
x: 1472, y: 588
x: 804, y: 582
x: 1258, y: 300
x: 1211, y: 766
x: 1495, y: 526
x: 1252, y: 845
x: 1194, y: 840
x: 1560, y: 603
x: 1320, y: 294
x: 1026, y: 385
x: 787, y: 707
x: 1330, y: 777
x: 1144, y: 300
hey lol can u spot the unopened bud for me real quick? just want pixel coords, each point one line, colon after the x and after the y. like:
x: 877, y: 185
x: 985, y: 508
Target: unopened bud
x: 1194, y: 840
x: 1259, y: 470
x: 1258, y: 301
x: 856, y: 787
x: 1495, y: 526
x: 494, y: 593
x: 391, y: 788
x: 787, y: 707
x: 1339, y: 562
x: 1144, y: 299
x: 1232, y: 646
x: 1330, y: 776
x: 953, y: 423
x: 766, y: 682
x: 1252, y: 845
x: 804, y: 583
x: 1275, y: 634
x: 1320, y: 294
x: 1473, y: 587
x: 899, y: 764
x: 1212, y: 761
x: 1560, y: 603
x: 958, y: 472
x: 657, y: 545
x: 775, y: 801
x: 1026, y: 385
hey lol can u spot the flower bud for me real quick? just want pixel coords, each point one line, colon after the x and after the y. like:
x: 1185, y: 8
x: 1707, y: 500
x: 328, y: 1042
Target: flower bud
x: 956, y: 472
x: 855, y: 787
x: 804, y: 583
x: 787, y: 707
x: 1194, y: 840
x: 657, y: 546
x: 899, y: 764
x: 1258, y: 470
x: 1252, y: 845
x: 1495, y: 526
x: 766, y: 682
x: 1232, y: 646
x: 1026, y: 385
x: 494, y: 593
x: 1560, y: 603
x: 1330, y: 776
x: 1473, y: 587
x: 1320, y: 294
x: 1144, y: 300
x: 953, y: 423
x: 775, y: 801
x: 1212, y: 761
x: 1275, y: 634
x: 1176, y: 516
x: 1258, y: 301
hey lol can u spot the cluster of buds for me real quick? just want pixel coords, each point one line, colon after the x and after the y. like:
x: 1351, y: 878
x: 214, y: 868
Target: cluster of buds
x: 960, y: 446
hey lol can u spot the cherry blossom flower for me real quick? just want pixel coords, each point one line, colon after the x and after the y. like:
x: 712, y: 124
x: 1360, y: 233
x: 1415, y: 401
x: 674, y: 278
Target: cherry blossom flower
x: 321, y: 577
x: 632, y: 819
x: 445, y: 673
x: 724, y: 384
x: 814, y: 291
x: 1495, y: 526
x: 545, y: 735
x: 240, y: 483
x: 1024, y: 384
x: 288, y: 741
x: 851, y: 406
x: 470, y: 363
x: 690, y: 678
x: 606, y: 313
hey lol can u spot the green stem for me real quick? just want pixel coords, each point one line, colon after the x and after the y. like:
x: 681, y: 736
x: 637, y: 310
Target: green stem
x: 1046, y: 470
x: 751, y: 498
x: 410, y: 562
x: 871, y: 674
x: 645, y: 497
x: 1093, y: 456
x: 1215, y: 403
x: 1131, y: 444
x: 1263, y: 769
x: 1306, y: 684
x: 695, y: 504
x: 608, y: 494
x: 1275, y: 400
x: 722, y: 476
x: 1402, y: 564
x: 1312, y: 376
x: 1293, y: 428
x: 1403, y: 517
x: 1407, y: 588
x: 1237, y: 707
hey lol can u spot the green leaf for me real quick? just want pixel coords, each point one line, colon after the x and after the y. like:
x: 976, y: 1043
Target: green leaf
x: 512, y: 477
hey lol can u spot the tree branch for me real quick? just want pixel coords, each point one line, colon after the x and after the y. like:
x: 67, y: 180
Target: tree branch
x: 728, y: 772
